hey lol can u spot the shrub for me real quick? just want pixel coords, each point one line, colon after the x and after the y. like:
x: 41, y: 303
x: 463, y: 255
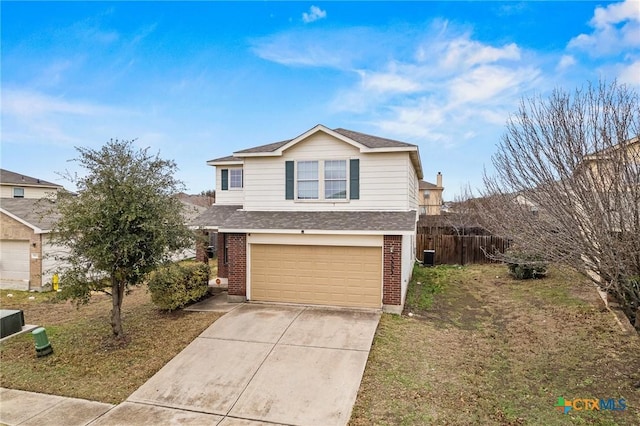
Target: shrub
x: 174, y: 286
x: 526, y: 266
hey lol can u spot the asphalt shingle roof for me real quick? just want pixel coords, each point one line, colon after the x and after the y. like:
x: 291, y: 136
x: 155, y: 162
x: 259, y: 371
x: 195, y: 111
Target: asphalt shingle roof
x: 39, y: 212
x: 9, y: 177
x: 228, y: 158
x: 369, y: 141
x: 332, y: 221
x: 214, y: 216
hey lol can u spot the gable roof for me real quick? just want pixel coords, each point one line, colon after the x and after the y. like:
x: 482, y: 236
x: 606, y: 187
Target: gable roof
x: 39, y: 214
x: 362, y: 141
x: 423, y: 184
x: 13, y: 178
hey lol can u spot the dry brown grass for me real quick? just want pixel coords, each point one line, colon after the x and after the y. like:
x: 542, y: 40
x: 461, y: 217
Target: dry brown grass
x: 495, y: 351
x: 87, y: 362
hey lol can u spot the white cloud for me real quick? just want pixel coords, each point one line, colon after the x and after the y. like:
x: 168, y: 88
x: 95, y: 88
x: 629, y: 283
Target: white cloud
x: 616, y: 28
x: 566, y: 61
x: 341, y: 49
x: 630, y: 74
x: 314, y: 14
x: 385, y: 82
x: 36, y: 117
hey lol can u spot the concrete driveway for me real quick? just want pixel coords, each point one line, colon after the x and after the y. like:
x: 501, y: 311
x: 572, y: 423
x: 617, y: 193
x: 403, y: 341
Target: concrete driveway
x: 291, y: 365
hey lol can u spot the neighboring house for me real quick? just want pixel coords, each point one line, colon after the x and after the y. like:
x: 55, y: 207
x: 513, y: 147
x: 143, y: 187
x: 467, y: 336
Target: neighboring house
x: 27, y: 258
x: 190, y: 212
x: 327, y: 218
x: 430, y: 196
x: 16, y: 185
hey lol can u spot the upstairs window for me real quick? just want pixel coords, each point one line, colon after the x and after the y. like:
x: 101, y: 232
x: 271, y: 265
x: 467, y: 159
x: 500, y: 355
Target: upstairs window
x: 18, y: 192
x: 231, y: 179
x: 335, y: 180
x: 322, y: 180
x: 307, y: 180
x: 235, y: 181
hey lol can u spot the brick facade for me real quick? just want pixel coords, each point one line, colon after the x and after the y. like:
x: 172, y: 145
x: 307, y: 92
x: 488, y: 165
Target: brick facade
x: 392, y: 270
x: 223, y: 268
x: 237, y: 264
x: 11, y: 229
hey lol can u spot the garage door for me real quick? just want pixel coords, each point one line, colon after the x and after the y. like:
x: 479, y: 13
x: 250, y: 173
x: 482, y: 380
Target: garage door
x: 14, y: 264
x: 325, y: 275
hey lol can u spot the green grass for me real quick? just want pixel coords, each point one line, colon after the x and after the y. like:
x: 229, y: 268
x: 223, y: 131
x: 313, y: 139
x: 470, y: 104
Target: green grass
x: 425, y: 283
x: 491, y: 350
x: 87, y: 362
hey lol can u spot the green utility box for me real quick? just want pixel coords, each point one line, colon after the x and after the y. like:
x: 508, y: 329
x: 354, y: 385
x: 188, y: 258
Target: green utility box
x: 43, y: 346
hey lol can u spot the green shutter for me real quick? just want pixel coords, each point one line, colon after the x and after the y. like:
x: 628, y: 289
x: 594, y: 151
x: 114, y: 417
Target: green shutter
x: 225, y: 179
x: 289, y: 182
x: 354, y: 179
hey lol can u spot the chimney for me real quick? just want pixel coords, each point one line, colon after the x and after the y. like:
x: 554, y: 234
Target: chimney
x: 439, y: 180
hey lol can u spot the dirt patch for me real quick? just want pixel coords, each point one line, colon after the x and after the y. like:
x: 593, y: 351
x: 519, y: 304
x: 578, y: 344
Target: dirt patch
x: 493, y: 350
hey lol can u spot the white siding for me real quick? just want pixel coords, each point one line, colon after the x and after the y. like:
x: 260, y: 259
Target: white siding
x: 6, y: 191
x: 229, y: 196
x: 51, y: 262
x: 413, y: 182
x: 383, y: 178
x: 408, y: 254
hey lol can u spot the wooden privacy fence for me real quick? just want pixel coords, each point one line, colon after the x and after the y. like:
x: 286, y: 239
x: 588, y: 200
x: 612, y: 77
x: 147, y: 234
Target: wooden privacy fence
x: 460, y: 249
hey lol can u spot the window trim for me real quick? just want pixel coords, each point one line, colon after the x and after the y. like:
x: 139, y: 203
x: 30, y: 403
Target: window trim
x: 16, y: 189
x: 233, y: 187
x: 316, y: 180
x: 322, y: 182
x: 326, y: 180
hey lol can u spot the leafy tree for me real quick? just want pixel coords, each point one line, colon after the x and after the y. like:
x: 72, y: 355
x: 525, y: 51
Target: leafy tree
x: 121, y: 224
x: 566, y: 186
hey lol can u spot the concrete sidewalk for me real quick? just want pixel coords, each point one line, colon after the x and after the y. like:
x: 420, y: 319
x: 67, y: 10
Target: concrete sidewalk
x: 258, y: 364
x: 29, y: 408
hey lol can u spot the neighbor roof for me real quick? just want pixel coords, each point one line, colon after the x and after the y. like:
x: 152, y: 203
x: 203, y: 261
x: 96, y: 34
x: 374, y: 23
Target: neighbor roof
x: 13, y: 178
x: 423, y: 184
x: 40, y: 214
x: 245, y: 221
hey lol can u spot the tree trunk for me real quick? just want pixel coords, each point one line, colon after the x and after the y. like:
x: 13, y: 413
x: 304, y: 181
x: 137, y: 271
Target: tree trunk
x: 117, y: 293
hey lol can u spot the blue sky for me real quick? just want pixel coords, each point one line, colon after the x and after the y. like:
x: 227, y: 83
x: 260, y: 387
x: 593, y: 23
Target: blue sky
x: 199, y: 80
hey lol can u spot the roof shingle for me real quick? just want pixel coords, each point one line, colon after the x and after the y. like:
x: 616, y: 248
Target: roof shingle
x: 9, y: 177
x: 39, y: 212
x: 330, y: 221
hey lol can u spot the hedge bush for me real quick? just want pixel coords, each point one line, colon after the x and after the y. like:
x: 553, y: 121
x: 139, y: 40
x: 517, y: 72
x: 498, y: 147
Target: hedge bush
x: 174, y: 286
x: 526, y: 266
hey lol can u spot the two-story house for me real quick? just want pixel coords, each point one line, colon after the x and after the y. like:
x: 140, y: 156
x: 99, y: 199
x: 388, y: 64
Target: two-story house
x: 328, y: 217
x: 27, y: 257
x: 430, y: 196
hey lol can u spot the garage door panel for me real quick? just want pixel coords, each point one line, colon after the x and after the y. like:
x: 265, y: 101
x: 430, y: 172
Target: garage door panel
x: 332, y: 275
x: 14, y: 264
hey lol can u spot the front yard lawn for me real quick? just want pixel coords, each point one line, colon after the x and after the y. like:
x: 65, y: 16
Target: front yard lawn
x: 87, y: 362
x: 482, y: 348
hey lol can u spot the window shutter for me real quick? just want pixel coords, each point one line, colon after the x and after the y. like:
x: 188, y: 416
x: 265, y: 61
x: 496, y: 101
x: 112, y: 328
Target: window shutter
x: 354, y: 179
x: 225, y: 179
x: 289, y: 182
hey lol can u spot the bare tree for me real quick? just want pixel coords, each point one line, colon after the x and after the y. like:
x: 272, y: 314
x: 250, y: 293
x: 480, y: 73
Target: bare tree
x: 567, y: 185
